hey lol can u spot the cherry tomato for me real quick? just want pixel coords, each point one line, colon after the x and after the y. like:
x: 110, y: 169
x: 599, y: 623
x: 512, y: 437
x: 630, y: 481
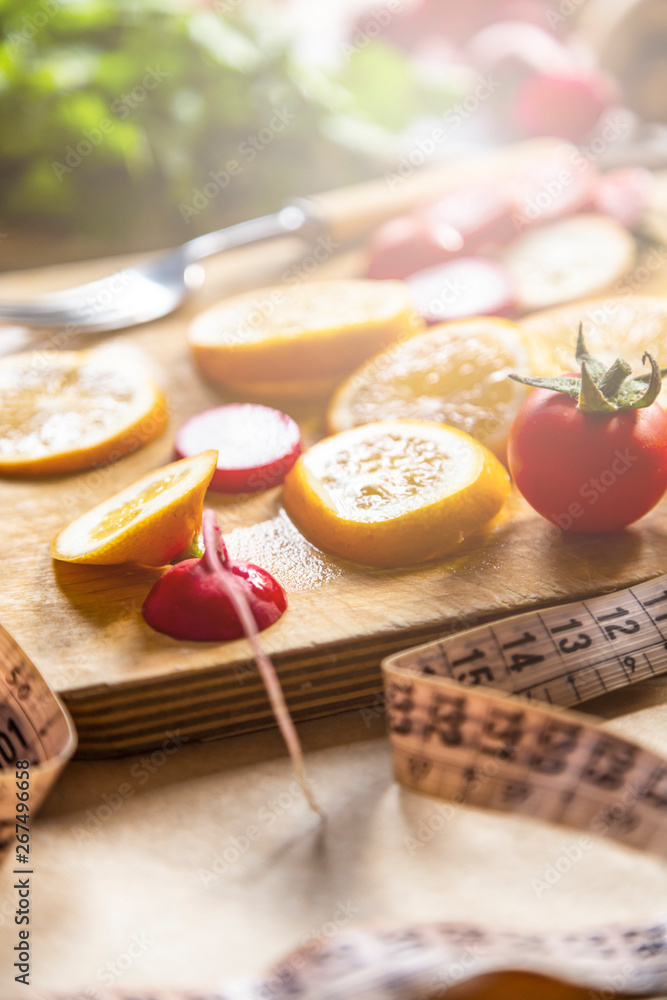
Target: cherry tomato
x: 588, y: 471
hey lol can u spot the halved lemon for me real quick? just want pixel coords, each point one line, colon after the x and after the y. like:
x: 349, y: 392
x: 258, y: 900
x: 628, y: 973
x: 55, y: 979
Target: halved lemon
x: 613, y: 327
x: 394, y: 493
x: 149, y: 522
x: 287, y: 336
x: 454, y: 373
x: 63, y: 411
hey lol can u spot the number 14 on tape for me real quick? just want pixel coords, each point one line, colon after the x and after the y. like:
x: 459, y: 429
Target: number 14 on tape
x: 458, y: 731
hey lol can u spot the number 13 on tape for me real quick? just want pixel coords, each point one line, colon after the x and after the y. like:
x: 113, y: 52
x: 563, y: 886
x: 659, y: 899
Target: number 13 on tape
x: 478, y: 717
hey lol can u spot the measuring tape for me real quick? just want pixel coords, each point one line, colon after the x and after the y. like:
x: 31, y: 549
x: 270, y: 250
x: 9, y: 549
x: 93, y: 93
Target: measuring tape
x: 36, y: 732
x: 477, y: 718
x: 457, y: 733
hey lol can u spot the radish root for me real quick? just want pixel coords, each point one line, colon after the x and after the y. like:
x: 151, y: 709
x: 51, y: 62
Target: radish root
x: 216, y: 559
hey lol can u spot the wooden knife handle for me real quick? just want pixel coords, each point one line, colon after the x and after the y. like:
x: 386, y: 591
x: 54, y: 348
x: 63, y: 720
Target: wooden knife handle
x: 351, y: 212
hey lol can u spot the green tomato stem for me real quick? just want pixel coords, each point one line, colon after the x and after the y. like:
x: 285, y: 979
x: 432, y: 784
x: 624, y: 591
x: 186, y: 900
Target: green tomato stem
x: 601, y: 389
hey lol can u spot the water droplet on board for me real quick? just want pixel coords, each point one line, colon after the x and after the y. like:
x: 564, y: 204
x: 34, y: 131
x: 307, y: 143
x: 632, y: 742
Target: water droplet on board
x: 277, y: 546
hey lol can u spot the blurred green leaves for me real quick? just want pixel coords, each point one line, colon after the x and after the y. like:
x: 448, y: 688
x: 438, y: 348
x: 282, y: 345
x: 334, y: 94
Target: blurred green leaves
x: 91, y: 144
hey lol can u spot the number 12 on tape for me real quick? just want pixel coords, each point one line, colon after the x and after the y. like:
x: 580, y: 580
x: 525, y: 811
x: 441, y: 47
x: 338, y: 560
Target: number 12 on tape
x: 478, y: 718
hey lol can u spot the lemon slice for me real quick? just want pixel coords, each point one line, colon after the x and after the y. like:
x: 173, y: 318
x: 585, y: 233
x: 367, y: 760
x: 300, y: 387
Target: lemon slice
x: 455, y: 374
x: 63, y: 411
x: 570, y: 259
x: 286, y: 335
x: 613, y: 327
x: 394, y: 493
x: 149, y: 522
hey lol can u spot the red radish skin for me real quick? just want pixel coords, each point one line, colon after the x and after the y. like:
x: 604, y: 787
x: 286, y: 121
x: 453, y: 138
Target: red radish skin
x: 481, y: 213
x: 408, y: 244
x: 469, y: 286
x: 565, y: 106
x: 461, y: 223
x: 256, y: 445
x: 214, y: 598
x: 190, y: 601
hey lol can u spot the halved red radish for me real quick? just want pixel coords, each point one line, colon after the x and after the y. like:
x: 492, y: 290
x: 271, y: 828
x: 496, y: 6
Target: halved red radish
x: 214, y: 599
x: 481, y: 213
x: 467, y: 286
x: 256, y: 445
x: 408, y: 244
x: 462, y: 222
x: 192, y: 600
x: 568, y: 106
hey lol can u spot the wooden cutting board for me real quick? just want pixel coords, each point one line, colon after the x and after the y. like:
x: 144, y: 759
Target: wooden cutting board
x: 128, y: 687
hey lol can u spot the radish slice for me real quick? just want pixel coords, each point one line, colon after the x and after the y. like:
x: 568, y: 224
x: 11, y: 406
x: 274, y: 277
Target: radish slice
x: 256, y: 445
x: 469, y: 286
x: 572, y: 259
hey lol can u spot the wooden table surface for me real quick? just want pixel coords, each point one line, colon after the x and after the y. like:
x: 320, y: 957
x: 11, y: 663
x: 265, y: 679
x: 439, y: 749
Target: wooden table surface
x: 140, y: 863
x: 131, y: 885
